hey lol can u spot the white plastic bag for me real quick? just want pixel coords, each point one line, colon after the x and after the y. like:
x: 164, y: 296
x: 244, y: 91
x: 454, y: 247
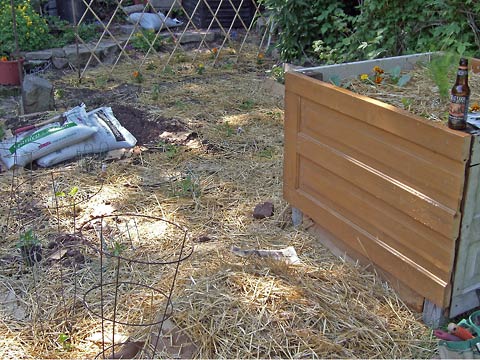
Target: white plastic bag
x: 152, y: 21
x: 111, y: 135
x: 31, y: 145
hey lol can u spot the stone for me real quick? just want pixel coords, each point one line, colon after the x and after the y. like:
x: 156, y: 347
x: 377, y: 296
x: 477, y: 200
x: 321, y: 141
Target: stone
x: 38, y: 55
x: 133, y: 8
x: 37, y: 94
x: 58, y: 52
x: 191, y: 36
x: 77, y: 59
x: 59, y: 62
x: 264, y: 210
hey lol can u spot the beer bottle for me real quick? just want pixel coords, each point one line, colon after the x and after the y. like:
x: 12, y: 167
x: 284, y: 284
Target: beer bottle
x: 459, y: 96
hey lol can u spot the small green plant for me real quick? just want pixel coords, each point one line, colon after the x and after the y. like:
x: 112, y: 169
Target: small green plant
x: 118, y: 248
x: 441, y: 70
x: 146, y: 39
x: 168, y: 70
x: 247, y: 104
x: 226, y: 129
x: 200, y: 69
x: 2, y: 131
x: 64, y: 341
x: 156, y: 92
x: 278, y: 73
x: 266, y: 153
x: 406, y: 102
x: 30, y: 247
x: 188, y: 187
x: 170, y: 149
x: 28, y: 238
x: 397, y: 78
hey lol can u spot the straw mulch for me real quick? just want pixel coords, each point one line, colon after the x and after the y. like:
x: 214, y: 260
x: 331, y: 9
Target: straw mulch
x: 228, y: 307
x: 420, y: 95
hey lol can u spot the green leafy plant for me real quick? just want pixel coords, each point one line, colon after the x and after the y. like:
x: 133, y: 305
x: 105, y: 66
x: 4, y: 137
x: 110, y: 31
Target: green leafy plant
x: 64, y: 341
x: 32, y: 29
x: 28, y: 238
x: 398, y: 78
x: 146, y: 39
x: 30, y: 247
x: 188, y: 187
x: 441, y: 70
x: 247, y: 104
x: 278, y: 73
x: 2, y: 131
x: 168, y: 148
x: 302, y: 22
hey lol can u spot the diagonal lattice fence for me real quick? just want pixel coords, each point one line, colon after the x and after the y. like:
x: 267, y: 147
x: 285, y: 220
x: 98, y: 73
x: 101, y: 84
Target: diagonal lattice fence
x: 165, y: 29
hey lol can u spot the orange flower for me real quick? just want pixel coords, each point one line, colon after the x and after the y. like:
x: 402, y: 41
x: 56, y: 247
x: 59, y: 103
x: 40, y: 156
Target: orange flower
x: 378, y: 79
x: 475, y: 107
x: 4, y: 58
x: 214, y: 50
x: 378, y: 70
x: 136, y: 74
x: 260, y: 56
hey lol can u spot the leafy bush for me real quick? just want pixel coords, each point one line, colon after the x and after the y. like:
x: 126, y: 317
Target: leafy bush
x: 301, y: 22
x: 65, y: 31
x: 328, y: 32
x: 32, y: 29
x: 142, y: 41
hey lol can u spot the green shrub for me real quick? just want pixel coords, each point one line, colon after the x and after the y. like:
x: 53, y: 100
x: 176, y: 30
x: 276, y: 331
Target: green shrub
x: 324, y: 32
x: 301, y: 22
x: 32, y: 29
x: 144, y: 39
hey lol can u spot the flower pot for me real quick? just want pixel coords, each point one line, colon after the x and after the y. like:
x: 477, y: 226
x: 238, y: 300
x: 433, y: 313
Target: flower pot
x: 9, y: 74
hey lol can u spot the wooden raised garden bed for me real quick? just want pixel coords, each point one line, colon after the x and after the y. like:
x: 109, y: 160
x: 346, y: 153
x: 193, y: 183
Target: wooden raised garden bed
x: 385, y: 185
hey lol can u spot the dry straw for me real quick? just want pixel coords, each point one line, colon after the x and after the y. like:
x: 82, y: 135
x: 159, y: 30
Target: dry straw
x: 229, y: 307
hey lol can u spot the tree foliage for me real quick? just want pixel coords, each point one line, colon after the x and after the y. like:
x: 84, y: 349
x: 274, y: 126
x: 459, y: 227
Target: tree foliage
x: 324, y: 30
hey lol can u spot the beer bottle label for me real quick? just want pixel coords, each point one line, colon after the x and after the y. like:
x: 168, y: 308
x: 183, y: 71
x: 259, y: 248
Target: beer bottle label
x: 457, y: 113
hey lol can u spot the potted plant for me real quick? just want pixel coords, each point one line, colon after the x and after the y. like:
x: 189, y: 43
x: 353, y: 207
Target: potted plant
x: 30, y: 248
x: 32, y: 34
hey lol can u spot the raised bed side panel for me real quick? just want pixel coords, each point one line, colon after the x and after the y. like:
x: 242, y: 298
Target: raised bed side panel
x: 388, y: 184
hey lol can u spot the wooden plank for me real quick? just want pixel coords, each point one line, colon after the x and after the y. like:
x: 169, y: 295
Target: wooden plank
x: 425, y: 210
x: 339, y: 248
x: 414, y: 240
x: 417, y: 166
x: 450, y: 143
x: 291, y: 127
x: 379, y: 253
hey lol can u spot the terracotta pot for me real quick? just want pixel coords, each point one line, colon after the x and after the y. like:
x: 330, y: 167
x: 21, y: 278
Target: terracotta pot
x: 9, y: 72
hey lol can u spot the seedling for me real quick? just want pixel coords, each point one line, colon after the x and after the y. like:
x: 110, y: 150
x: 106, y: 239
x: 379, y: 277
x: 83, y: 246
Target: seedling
x: 64, y: 341
x: 170, y: 149
x: 247, y: 104
x: 30, y: 247
x: 397, y: 78
x: 155, y: 92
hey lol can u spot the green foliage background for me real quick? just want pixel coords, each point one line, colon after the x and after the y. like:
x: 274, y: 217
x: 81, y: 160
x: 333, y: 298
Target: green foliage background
x: 323, y: 32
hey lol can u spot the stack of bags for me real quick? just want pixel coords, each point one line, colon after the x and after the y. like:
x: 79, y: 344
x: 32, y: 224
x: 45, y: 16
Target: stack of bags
x: 77, y: 133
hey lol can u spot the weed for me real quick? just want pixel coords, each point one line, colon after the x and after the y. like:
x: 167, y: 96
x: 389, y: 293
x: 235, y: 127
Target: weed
x: 200, y: 69
x: 266, y: 153
x: 168, y: 70
x: 64, y: 341
x: 247, y: 104
x: 441, y: 70
x: 171, y: 150
x: 278, y: 73
x: 397, y: 78
x: 226, y: 129
x: 2, y: 131
x: 155, y: 92
x: 188, y: 187
x: 406, y: 102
